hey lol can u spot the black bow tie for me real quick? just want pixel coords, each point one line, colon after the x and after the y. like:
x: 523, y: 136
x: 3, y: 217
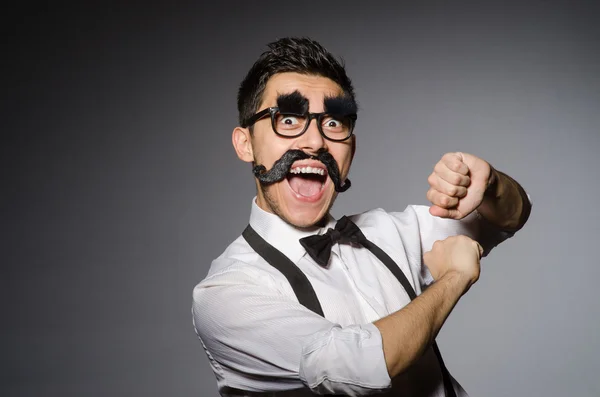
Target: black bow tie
x: 319, y: 246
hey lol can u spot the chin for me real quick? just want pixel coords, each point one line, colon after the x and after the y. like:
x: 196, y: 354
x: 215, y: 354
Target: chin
x: 306, y: 220
x: 295, y: 210
x: 301, y: 214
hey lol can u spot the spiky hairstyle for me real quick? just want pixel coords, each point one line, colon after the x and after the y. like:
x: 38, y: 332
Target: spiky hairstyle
x: 290, y: 54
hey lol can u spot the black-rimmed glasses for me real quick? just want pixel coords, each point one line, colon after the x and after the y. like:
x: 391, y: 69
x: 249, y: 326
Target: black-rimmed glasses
x: 291, y: 125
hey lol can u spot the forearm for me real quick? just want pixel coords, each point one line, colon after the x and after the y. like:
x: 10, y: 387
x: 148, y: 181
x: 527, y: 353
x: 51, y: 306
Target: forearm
x: 407, y: 333
x: 505, y: 203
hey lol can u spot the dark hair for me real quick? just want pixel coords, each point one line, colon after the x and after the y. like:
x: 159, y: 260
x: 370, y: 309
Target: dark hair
x: 290, y: 54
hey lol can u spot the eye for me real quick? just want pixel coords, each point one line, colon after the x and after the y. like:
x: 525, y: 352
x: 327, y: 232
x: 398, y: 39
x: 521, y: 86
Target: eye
x: 333, y: 123
x: 289, y: 120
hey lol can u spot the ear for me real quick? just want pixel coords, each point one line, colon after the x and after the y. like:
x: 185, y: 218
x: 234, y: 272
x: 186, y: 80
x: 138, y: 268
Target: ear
x: 242, y: 143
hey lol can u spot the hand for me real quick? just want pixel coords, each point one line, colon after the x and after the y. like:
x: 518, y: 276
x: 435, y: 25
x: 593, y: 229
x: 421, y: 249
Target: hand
x: 457, y: 185
x: 458, y: 254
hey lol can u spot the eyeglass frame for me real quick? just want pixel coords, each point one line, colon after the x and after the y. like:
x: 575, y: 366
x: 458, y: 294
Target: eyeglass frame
x: 318, y: 116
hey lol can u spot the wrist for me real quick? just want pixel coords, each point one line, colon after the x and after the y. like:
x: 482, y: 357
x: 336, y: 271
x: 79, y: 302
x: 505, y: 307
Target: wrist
x: 462, y: 280
x: 493, y: 184
x: 502, y: 202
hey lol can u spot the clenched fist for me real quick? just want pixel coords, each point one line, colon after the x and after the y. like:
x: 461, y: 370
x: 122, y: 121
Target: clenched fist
x: 458, y: 254
x: 457, y: 185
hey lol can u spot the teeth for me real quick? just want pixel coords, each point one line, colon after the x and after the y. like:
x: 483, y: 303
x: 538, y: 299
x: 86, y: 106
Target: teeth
x: 307, y: 170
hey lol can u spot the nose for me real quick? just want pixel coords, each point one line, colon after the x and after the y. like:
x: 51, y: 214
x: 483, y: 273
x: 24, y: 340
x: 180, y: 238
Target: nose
x: 312, y: 140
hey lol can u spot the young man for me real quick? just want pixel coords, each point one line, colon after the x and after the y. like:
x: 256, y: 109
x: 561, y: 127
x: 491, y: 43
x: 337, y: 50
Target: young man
x: 302, y: 304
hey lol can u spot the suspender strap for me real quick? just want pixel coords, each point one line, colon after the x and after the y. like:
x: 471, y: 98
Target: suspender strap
x: 302, y: 288
x: 306, y: 294
x: 396, y: 271
x: 392, y: 266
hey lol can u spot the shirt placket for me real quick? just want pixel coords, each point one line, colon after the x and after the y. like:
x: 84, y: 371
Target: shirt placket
x: 371, y: 308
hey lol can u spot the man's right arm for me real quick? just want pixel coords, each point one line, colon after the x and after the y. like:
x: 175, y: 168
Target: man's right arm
x: 407, y: 333
x: 260, y: 339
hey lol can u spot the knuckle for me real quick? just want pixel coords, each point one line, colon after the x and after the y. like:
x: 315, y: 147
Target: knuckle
x: 456, y: 179
x: 429, y: 194
x: 465, y: 239
x: 431, y: 178
x: 450, y: 241
x: 453, y: 190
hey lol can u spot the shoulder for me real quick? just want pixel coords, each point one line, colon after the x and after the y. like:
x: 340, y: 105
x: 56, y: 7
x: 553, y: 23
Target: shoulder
x: 239, y: 267
x: 238, y: 255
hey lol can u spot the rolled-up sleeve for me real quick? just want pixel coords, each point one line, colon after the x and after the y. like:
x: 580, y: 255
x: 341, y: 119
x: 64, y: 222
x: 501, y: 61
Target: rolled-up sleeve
x: 346, y: 361
x: 260, y: 339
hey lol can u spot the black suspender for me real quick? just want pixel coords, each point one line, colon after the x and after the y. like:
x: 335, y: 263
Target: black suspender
x: 298, y: 280
x: 306, y: 294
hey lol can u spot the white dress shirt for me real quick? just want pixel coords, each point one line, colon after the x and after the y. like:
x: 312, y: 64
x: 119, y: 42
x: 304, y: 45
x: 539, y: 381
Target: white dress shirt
x: 259, y: 338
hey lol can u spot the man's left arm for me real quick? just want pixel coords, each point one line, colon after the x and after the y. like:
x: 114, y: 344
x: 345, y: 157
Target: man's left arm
x: 505, y: 203
x: 462, y: 183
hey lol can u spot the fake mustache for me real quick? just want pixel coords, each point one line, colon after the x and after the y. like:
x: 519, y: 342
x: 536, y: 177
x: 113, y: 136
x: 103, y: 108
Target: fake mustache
x: 282, y: 167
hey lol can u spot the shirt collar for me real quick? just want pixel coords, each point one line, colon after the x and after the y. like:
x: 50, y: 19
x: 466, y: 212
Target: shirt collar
x: 282, y: 235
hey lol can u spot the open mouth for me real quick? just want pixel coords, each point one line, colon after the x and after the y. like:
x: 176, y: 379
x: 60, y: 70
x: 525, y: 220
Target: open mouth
x: 307, y: 182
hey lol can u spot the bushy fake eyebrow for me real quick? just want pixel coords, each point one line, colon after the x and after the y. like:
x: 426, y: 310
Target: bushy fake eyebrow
x: 292, y: 103
x: 342, y: 105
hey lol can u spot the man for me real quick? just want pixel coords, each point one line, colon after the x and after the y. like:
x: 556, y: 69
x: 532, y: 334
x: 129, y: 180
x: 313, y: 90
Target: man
x: 302, y: 304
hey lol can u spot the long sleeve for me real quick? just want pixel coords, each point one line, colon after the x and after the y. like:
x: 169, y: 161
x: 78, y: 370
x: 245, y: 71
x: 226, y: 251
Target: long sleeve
x: 433, y: 228
x: 268, y: 341
x: 430, y: 229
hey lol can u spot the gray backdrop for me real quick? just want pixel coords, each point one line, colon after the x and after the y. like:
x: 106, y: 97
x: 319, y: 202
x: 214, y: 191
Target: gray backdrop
x: 120, y: 184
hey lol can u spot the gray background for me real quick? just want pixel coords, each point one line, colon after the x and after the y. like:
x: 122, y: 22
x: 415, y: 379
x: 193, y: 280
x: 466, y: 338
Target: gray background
x: 120, y: 185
